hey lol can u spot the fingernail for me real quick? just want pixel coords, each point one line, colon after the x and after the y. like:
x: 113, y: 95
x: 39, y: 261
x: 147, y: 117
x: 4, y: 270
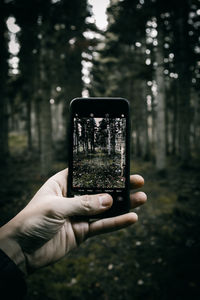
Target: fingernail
x: 105, y: 200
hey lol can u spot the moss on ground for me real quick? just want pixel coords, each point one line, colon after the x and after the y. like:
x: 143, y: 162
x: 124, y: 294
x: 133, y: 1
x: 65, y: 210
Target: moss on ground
x: 154, y: 259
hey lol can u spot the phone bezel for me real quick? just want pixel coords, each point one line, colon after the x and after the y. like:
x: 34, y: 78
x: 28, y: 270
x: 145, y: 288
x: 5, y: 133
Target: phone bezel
x: 114, y: 107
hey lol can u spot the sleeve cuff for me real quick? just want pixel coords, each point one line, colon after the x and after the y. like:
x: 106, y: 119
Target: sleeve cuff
x: 12, y: 281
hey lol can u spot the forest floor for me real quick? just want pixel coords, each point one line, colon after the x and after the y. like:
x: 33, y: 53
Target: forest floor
x: 158, y: 257
x: 97, y: 170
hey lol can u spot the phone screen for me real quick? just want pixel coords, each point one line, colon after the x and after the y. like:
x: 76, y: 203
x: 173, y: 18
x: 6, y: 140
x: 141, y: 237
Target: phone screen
x: 99, y: 153
x: 99, y: 150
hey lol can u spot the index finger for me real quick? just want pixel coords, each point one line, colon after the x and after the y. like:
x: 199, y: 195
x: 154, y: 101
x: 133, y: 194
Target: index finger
x: 136, y: 181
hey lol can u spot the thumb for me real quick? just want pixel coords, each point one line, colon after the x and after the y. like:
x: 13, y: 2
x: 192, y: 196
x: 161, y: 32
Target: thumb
x: 84, y: 205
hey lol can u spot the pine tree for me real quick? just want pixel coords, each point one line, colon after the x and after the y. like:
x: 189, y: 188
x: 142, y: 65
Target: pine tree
x: 3, y: 83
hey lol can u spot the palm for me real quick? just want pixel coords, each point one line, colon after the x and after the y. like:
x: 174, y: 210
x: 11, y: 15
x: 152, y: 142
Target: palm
x: 69, y: 236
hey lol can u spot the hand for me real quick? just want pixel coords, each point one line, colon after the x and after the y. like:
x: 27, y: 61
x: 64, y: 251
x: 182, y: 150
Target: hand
x: 46, y: 230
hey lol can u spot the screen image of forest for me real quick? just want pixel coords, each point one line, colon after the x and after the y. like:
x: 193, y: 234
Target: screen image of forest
x: 99, y: 152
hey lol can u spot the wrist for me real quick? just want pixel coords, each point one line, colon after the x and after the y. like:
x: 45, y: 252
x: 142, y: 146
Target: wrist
x: 12, y: 249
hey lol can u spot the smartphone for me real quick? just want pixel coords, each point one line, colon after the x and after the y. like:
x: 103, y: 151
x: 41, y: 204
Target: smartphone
x: 99, y: 150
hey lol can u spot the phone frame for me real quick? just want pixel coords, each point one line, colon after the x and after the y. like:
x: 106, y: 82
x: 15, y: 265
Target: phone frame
x: 100, y: 106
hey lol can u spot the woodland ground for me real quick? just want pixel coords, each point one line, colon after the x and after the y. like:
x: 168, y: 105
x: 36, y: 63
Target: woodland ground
x: 97, y: 169
x: 158, y: 258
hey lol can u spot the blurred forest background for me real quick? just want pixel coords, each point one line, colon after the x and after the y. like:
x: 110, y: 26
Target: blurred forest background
x: 51, y: 51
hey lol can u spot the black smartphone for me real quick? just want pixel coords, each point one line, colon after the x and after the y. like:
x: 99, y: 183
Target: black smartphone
x: 99, y: 154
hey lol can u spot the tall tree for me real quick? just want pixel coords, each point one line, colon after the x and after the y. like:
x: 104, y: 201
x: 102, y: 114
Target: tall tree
x: 183, y: 53
x: 160, y: 99
x: 120, y: 68
x: 26, y: 14
x: 3, y: 81
x: 51, y: 40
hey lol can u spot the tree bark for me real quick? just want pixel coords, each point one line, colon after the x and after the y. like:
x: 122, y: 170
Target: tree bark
x: 143, y: 125
x: 46, y: 137
x: 174, y: 126
x: 37, y: 138
x: 46, y: 149
x: 196, y: 121
x: 28, y: 123
x: 183, y: 81
x: 160, y: 100
x: 4, y: 151
x: 167, y: 115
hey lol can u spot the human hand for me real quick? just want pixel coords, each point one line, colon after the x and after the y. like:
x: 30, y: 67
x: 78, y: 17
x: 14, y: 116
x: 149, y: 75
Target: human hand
x: 49, y: 227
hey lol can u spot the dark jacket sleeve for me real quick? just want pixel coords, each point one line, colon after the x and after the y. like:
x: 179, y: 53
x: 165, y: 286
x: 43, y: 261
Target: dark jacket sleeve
x: 12, y: 282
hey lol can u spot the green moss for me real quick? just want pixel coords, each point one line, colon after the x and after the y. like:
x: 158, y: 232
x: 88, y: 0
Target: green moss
x: 17, y: 142
x: 155, y: 257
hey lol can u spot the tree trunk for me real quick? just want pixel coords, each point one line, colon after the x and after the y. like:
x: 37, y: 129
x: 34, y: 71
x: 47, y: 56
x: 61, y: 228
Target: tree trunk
x: 160, y: 113
x: 183, y: 81
x: 196, y: 121
x: 174, y: 126
x: 109, y: 142
x: 46, y: 138
x: 143, y: 126
x: 139, y: 93
x: 132, y: 135
x: 3, y: 78
x: 153, y: 127
x: 167, y: 115
x: 28, y: 123
x: 46, y: 150
x: 37, y: 125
